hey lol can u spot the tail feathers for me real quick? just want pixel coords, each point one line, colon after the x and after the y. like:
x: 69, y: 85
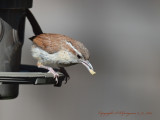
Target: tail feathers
x: 31, y: 38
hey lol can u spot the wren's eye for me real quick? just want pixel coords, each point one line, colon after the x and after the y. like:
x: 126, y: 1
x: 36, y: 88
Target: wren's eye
x: 78, y: 56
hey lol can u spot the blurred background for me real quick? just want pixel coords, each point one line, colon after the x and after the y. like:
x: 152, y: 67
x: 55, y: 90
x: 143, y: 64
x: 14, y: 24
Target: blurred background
x: 123, y: 39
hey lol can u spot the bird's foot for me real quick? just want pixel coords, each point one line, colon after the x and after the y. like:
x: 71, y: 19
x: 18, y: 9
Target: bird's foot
x: 55, y: 74
x: 67, y: 77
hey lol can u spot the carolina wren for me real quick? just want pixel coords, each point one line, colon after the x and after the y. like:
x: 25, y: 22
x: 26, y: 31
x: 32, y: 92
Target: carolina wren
x: 59, y: 51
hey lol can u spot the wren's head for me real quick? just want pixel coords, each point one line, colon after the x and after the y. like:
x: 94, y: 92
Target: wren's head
x: 60, y: 50
x: 80, y: 53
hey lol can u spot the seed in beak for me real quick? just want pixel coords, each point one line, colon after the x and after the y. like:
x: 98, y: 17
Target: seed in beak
x: 88, y: 65
x: 92, y: 72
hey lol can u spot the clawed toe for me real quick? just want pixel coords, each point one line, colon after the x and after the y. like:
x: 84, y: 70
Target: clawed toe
x: 66, y: 78
x: 56, y: 79
x: 56, y: 76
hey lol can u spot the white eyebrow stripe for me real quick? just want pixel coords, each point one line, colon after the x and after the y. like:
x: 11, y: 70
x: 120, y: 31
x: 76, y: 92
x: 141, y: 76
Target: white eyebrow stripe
x: 68, y: 43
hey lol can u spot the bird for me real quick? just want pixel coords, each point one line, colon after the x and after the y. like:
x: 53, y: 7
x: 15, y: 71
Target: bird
x: 60, y: 51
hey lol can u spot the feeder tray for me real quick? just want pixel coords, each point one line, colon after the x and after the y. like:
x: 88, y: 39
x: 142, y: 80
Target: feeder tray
x: 30, y: 75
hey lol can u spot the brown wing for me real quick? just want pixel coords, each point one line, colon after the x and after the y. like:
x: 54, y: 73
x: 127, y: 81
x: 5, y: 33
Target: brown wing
x: 55, y: 42
x: 48, y: 42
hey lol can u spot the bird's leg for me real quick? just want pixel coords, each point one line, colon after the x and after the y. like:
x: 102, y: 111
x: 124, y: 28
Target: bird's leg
x: 65, y: 74
x: 55, y: 74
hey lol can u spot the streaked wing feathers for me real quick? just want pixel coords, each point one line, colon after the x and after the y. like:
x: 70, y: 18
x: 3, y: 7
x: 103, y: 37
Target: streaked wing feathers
x: 47, y: 42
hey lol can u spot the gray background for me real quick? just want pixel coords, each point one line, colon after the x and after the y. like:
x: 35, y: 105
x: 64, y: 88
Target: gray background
x: 123, y: 39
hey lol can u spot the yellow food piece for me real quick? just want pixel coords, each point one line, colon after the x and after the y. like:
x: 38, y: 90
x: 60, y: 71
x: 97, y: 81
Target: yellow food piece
x: 92, y: 72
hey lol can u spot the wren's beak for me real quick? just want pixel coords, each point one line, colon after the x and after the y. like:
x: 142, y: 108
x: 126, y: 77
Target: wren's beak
x: 88, y: 65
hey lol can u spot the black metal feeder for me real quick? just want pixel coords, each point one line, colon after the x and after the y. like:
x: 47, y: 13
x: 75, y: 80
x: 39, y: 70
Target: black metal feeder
x: 12, y: 23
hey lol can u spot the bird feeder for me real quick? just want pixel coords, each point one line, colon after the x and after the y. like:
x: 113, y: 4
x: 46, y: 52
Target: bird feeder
x: 12, y: 73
